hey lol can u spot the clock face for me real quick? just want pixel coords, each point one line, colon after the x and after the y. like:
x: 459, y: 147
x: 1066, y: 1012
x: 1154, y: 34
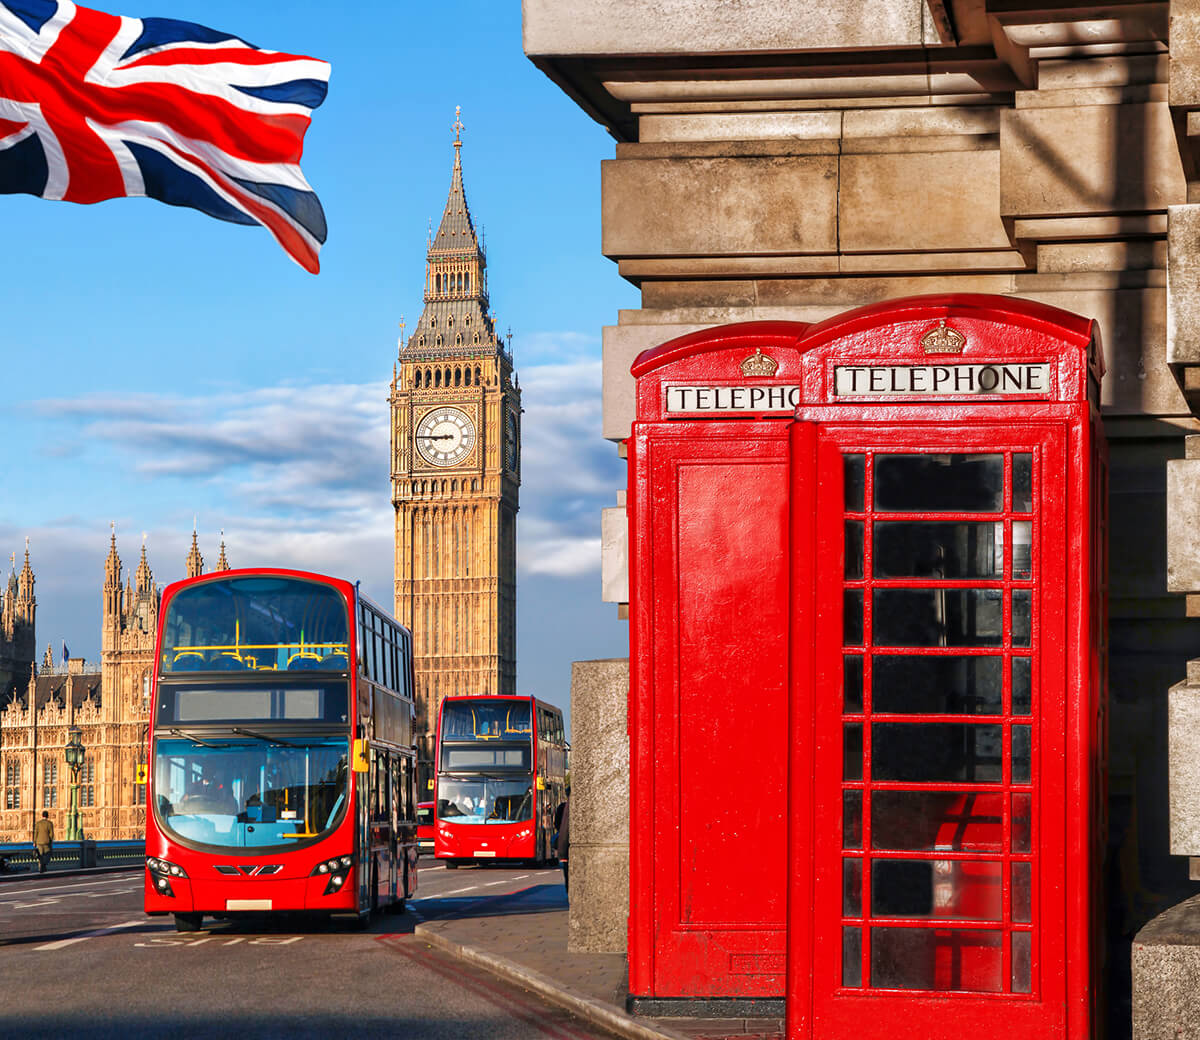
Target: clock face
x: 445, y: 436
x: 510, y: 441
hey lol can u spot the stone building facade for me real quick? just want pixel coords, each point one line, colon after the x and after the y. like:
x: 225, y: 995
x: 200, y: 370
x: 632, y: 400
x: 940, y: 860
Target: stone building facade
x: 456, y: 474
x: 18, y: 613
x: 110, y: 704
x: 795, y: 161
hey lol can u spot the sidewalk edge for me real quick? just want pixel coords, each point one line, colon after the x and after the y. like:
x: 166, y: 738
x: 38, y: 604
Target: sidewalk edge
x: 594, y: 1011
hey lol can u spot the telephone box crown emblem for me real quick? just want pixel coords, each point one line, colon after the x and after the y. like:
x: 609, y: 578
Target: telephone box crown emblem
x: 759, y: 364
x: 943, y: 340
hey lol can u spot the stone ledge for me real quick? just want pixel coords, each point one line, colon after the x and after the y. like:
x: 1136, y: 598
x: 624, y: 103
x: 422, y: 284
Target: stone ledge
x: 1166, y: 975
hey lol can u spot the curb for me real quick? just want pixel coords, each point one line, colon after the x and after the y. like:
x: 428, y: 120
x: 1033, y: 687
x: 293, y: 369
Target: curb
x: 594, y: 1011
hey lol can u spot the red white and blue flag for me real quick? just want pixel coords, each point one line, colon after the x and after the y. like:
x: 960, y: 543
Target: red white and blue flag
x: 95, y: 106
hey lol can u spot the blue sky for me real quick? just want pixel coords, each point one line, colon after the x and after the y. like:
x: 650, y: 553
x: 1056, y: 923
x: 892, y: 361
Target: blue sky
x: 161, y: 366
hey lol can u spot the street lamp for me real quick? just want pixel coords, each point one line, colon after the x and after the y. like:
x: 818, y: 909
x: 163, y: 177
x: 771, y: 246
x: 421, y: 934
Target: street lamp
x: 74, y: 753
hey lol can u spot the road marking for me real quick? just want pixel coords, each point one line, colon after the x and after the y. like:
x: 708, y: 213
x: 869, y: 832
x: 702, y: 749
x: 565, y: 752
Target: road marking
x: 43, y: 890
x: 90, y: 935
x: 180, y: 940
x: 26, y: 906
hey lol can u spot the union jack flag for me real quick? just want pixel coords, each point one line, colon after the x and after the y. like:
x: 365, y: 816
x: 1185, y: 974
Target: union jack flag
x: 94, y: 106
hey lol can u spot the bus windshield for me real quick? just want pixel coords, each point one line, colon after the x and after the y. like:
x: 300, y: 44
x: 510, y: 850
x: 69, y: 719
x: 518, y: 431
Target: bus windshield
x: 485, y: 800
x: 480, y: 720
x: 256, y: 624
x: 237, y: 792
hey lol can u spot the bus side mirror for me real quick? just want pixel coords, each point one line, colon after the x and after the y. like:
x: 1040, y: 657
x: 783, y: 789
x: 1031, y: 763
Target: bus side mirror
x: 361, y: 762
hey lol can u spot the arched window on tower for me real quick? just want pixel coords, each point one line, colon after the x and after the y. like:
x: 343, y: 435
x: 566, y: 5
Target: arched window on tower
x: 417, y: 379
x: 468, y: 283
x: 458, y: 372
x: 477, y: 375
x: 458, y: 340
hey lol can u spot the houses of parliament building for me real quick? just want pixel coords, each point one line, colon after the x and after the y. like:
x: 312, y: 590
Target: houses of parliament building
x: 111, y: 706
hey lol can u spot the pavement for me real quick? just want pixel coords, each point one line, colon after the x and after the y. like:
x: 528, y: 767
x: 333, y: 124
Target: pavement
x: 523, y: 938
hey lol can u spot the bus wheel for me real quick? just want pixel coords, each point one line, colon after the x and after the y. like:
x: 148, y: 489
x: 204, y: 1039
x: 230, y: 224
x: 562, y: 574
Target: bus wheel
x: 188, y: 922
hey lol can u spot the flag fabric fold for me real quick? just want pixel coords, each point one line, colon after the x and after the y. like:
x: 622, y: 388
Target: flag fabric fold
x: 96, y: 106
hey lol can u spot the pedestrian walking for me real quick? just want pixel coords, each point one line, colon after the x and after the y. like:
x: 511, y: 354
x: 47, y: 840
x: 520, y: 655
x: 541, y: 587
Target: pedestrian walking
x: 562, y: 843
x: 43, y: 840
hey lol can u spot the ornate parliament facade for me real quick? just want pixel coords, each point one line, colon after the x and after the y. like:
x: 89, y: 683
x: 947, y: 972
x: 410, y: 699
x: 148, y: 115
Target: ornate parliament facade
x: 110, y: 705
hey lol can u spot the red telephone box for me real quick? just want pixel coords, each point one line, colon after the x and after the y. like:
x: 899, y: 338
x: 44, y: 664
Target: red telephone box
x: 947, y: 740
x: 709, y: 477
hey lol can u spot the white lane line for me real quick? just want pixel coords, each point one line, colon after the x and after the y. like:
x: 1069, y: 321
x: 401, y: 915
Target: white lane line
x: 39, y: 890
x: 26, y: 906
x: 456, y: 892
x: 90, y: 935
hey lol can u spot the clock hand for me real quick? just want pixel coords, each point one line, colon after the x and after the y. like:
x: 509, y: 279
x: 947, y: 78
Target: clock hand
x: 439, y: 436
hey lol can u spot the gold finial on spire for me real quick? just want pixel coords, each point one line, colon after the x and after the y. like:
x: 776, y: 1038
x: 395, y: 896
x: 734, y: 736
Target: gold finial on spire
x: 458, y: 127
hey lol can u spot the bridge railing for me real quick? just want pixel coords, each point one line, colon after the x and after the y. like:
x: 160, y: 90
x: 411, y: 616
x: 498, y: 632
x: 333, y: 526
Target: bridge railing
x: 21, y: 858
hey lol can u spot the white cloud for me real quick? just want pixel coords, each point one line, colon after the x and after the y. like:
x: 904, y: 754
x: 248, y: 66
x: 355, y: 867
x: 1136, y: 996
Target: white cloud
x: 295, y: 475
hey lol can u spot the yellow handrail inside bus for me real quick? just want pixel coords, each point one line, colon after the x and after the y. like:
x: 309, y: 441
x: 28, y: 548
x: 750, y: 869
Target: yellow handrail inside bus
x: 309, y: 651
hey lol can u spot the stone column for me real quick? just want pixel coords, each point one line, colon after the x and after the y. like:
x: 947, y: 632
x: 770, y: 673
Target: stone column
x: 599, y: 915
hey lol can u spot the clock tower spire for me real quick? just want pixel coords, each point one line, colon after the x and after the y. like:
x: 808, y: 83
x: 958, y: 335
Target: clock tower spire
x: 455, y: 466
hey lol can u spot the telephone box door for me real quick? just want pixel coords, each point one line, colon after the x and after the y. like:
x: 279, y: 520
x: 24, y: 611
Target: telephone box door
x: 939, y: 785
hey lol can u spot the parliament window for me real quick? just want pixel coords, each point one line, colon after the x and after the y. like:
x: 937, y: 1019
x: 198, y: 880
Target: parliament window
x: 49, y: 784
x: 12, y: 785
x: 87, y: 783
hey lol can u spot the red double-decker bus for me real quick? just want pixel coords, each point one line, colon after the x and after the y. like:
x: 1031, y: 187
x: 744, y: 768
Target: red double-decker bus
x: 501, y: 772
x: 281, y: 740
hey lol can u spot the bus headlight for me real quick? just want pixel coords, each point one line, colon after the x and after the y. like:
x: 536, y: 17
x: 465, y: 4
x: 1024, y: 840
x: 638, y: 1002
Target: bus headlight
x: 164, y: 868
x: 161, y: 871
x: 337, y: 868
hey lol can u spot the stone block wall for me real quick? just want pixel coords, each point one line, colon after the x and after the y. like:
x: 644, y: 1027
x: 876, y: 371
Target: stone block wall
x: 599, y: 914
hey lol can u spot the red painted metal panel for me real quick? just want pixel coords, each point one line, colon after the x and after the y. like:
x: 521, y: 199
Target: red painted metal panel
x: 709, y: 500
x: 927, y: 903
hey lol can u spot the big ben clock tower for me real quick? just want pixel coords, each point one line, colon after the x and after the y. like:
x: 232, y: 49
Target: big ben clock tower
x: 456, y: 471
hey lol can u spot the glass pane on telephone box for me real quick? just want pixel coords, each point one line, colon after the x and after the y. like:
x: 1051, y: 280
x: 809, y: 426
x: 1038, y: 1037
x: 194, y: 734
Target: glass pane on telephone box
x: 938, y: 637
